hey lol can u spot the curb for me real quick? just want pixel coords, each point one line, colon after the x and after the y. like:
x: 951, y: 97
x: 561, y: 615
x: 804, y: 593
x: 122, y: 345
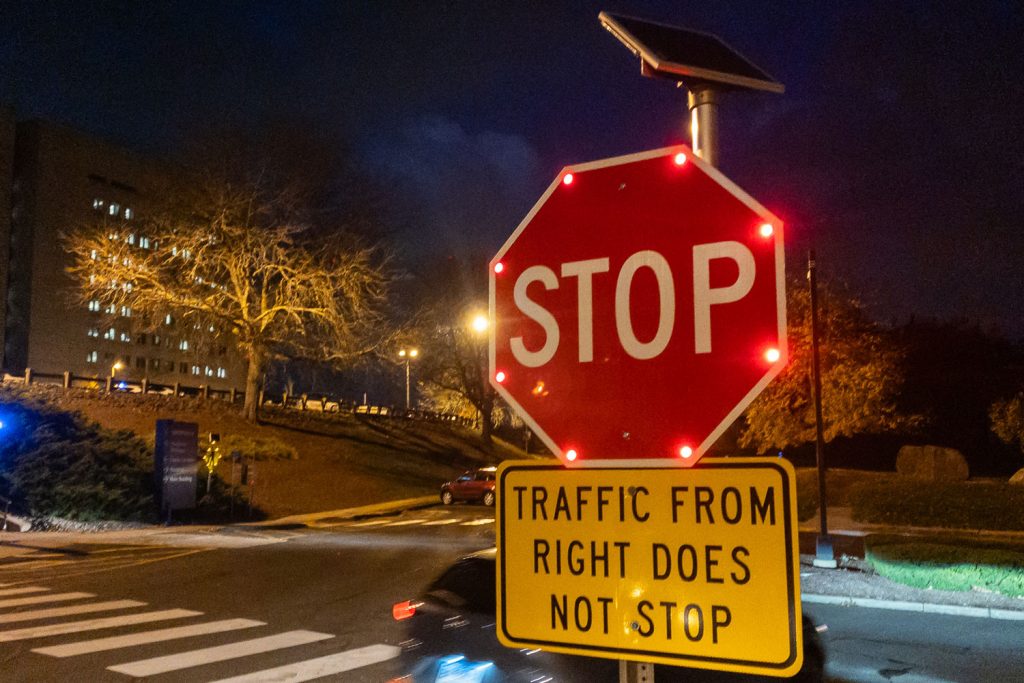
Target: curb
x: 925, y: 607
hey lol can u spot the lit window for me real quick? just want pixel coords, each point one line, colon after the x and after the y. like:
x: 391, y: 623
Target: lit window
x: 110, y: 334
x: 168, y: 320
x: 114, y: 209
x: 125, y: 337
x: 156, y: 340
x: 174, y: 251
x: 94, y: 305
x: 97, y: 204
x: 94, y: 255
x: 111, y: 309
x: 196, y: 370
x: 222, y: 373
x: 183, y: 345
x: 94, y: 332
x: 144, y: 242
x: 126, y: 311
x: 128, y: 213
x: 209, y: 371
x: 92, y: 357
x: 92, y: 279
x: 130, y: 239
x: 112, y: 235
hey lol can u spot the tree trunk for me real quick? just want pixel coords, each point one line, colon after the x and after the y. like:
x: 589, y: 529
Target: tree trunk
x: 253, y: 378
x: 486, y: 422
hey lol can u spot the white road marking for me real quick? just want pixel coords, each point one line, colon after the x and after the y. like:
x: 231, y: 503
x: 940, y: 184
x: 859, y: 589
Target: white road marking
x: 21, y: 591
x: 478, y: 522
x: 406, y: 522
x: 117, y: 642
x: 321, y: 666
x: 53, y: 597
x: 220, y: 653
x: 372, y: 522
x: 94, y: 624
x: 51, y: 612
x: 441, y: 522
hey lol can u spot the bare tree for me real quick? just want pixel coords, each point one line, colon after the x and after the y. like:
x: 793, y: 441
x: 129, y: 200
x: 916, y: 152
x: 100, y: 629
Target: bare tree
x: 235, y: 262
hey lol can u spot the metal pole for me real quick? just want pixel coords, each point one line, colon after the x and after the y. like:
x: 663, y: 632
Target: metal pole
x: 702, y: 102
x: 407, y: 384
x: 824, y: 555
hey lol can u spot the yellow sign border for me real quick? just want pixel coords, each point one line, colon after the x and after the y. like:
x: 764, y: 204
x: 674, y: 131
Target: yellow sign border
x: 790, y: 666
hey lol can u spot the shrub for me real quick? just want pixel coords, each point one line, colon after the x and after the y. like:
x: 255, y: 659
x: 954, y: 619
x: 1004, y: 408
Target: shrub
x: 949, y: 567
x: 258, y: 447
x: 806, y: 494
x: 54, y: 463
x: 964, y: 505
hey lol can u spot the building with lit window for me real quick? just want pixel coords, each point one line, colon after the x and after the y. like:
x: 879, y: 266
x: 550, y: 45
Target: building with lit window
x: 53, y: 179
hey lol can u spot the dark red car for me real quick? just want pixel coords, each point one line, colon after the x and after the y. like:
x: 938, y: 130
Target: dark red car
x: 475, y: 485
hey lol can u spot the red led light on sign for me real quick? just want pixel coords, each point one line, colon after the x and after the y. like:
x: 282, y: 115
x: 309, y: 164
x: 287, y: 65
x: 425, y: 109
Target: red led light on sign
x: 568, y: 178
x: 685, y: 452
x: 772, y: 355
x: 679, y: 158
x: 766, y: 229
x: 571, y: 454
x: 499, y: 377
x: 498, y: 267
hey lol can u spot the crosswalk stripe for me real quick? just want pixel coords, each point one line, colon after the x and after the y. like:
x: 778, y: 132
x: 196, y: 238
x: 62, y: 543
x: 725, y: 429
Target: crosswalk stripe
x: 321, y: 666
x: 117, y: 642
x: 406, y: 522
x: 219, y: 653
x: 441, y: 522
x: 21, y: 591
x: 478, y: 522
x: 372, y: 522
x: 94, y: 624
x: 38, y: 599
x: 51, y: 612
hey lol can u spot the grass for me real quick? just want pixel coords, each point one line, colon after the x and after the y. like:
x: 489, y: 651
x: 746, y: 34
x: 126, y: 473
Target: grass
x: 949, y: 567
x: 339, y: 460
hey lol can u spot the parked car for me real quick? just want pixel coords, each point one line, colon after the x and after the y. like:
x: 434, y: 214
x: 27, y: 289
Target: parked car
x: 475, y: 485
x: 450, y: 637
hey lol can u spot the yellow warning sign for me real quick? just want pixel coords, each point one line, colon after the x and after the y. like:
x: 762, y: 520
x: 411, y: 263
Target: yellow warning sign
x: 688, y: 567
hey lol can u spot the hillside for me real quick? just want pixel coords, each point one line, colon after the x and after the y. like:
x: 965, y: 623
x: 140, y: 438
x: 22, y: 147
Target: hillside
x: 343, y: 460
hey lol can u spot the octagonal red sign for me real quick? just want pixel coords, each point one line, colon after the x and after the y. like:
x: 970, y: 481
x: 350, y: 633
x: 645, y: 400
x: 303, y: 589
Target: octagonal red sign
x: 638, y: 309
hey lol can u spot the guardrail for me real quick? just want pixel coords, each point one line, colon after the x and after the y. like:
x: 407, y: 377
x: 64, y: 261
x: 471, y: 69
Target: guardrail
x: 323, y: 403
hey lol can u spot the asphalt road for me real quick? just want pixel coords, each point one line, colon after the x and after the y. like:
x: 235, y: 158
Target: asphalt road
x: 319, y: 600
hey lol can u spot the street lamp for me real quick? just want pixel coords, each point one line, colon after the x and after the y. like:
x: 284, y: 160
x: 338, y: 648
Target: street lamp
x: 407, y: 355
x: 115, y: 367
x: 480, y: 323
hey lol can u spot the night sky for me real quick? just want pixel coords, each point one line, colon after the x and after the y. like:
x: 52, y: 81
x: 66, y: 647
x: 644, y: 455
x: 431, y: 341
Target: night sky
x: 896, y: 151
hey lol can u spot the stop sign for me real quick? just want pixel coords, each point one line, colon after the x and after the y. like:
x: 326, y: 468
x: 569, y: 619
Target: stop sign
x: 637, y: 310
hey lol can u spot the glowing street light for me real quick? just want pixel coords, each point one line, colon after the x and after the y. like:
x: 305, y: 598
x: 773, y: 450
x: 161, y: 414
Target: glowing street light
x: 115, y: 367
x: 407, y: 355
x: 480, y: 323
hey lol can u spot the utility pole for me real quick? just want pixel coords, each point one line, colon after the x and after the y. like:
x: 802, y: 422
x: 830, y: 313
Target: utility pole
x: 824, y: 555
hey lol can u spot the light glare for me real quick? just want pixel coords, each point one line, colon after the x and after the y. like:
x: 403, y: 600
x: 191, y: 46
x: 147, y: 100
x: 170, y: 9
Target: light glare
x: 499, y: 377
x: 568, y: 178
x: 685, y: 452
x: 498, y: 267
x: 680, y: 158
x: 772, y: 355
x: 571, y: 454
x: 766, y: 229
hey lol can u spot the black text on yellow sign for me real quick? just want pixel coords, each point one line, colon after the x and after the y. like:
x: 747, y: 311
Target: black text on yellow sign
x: 689, y: 567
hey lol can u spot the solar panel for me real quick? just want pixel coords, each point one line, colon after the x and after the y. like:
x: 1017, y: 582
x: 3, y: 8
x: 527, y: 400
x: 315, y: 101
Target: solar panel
x: 691, y: 57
